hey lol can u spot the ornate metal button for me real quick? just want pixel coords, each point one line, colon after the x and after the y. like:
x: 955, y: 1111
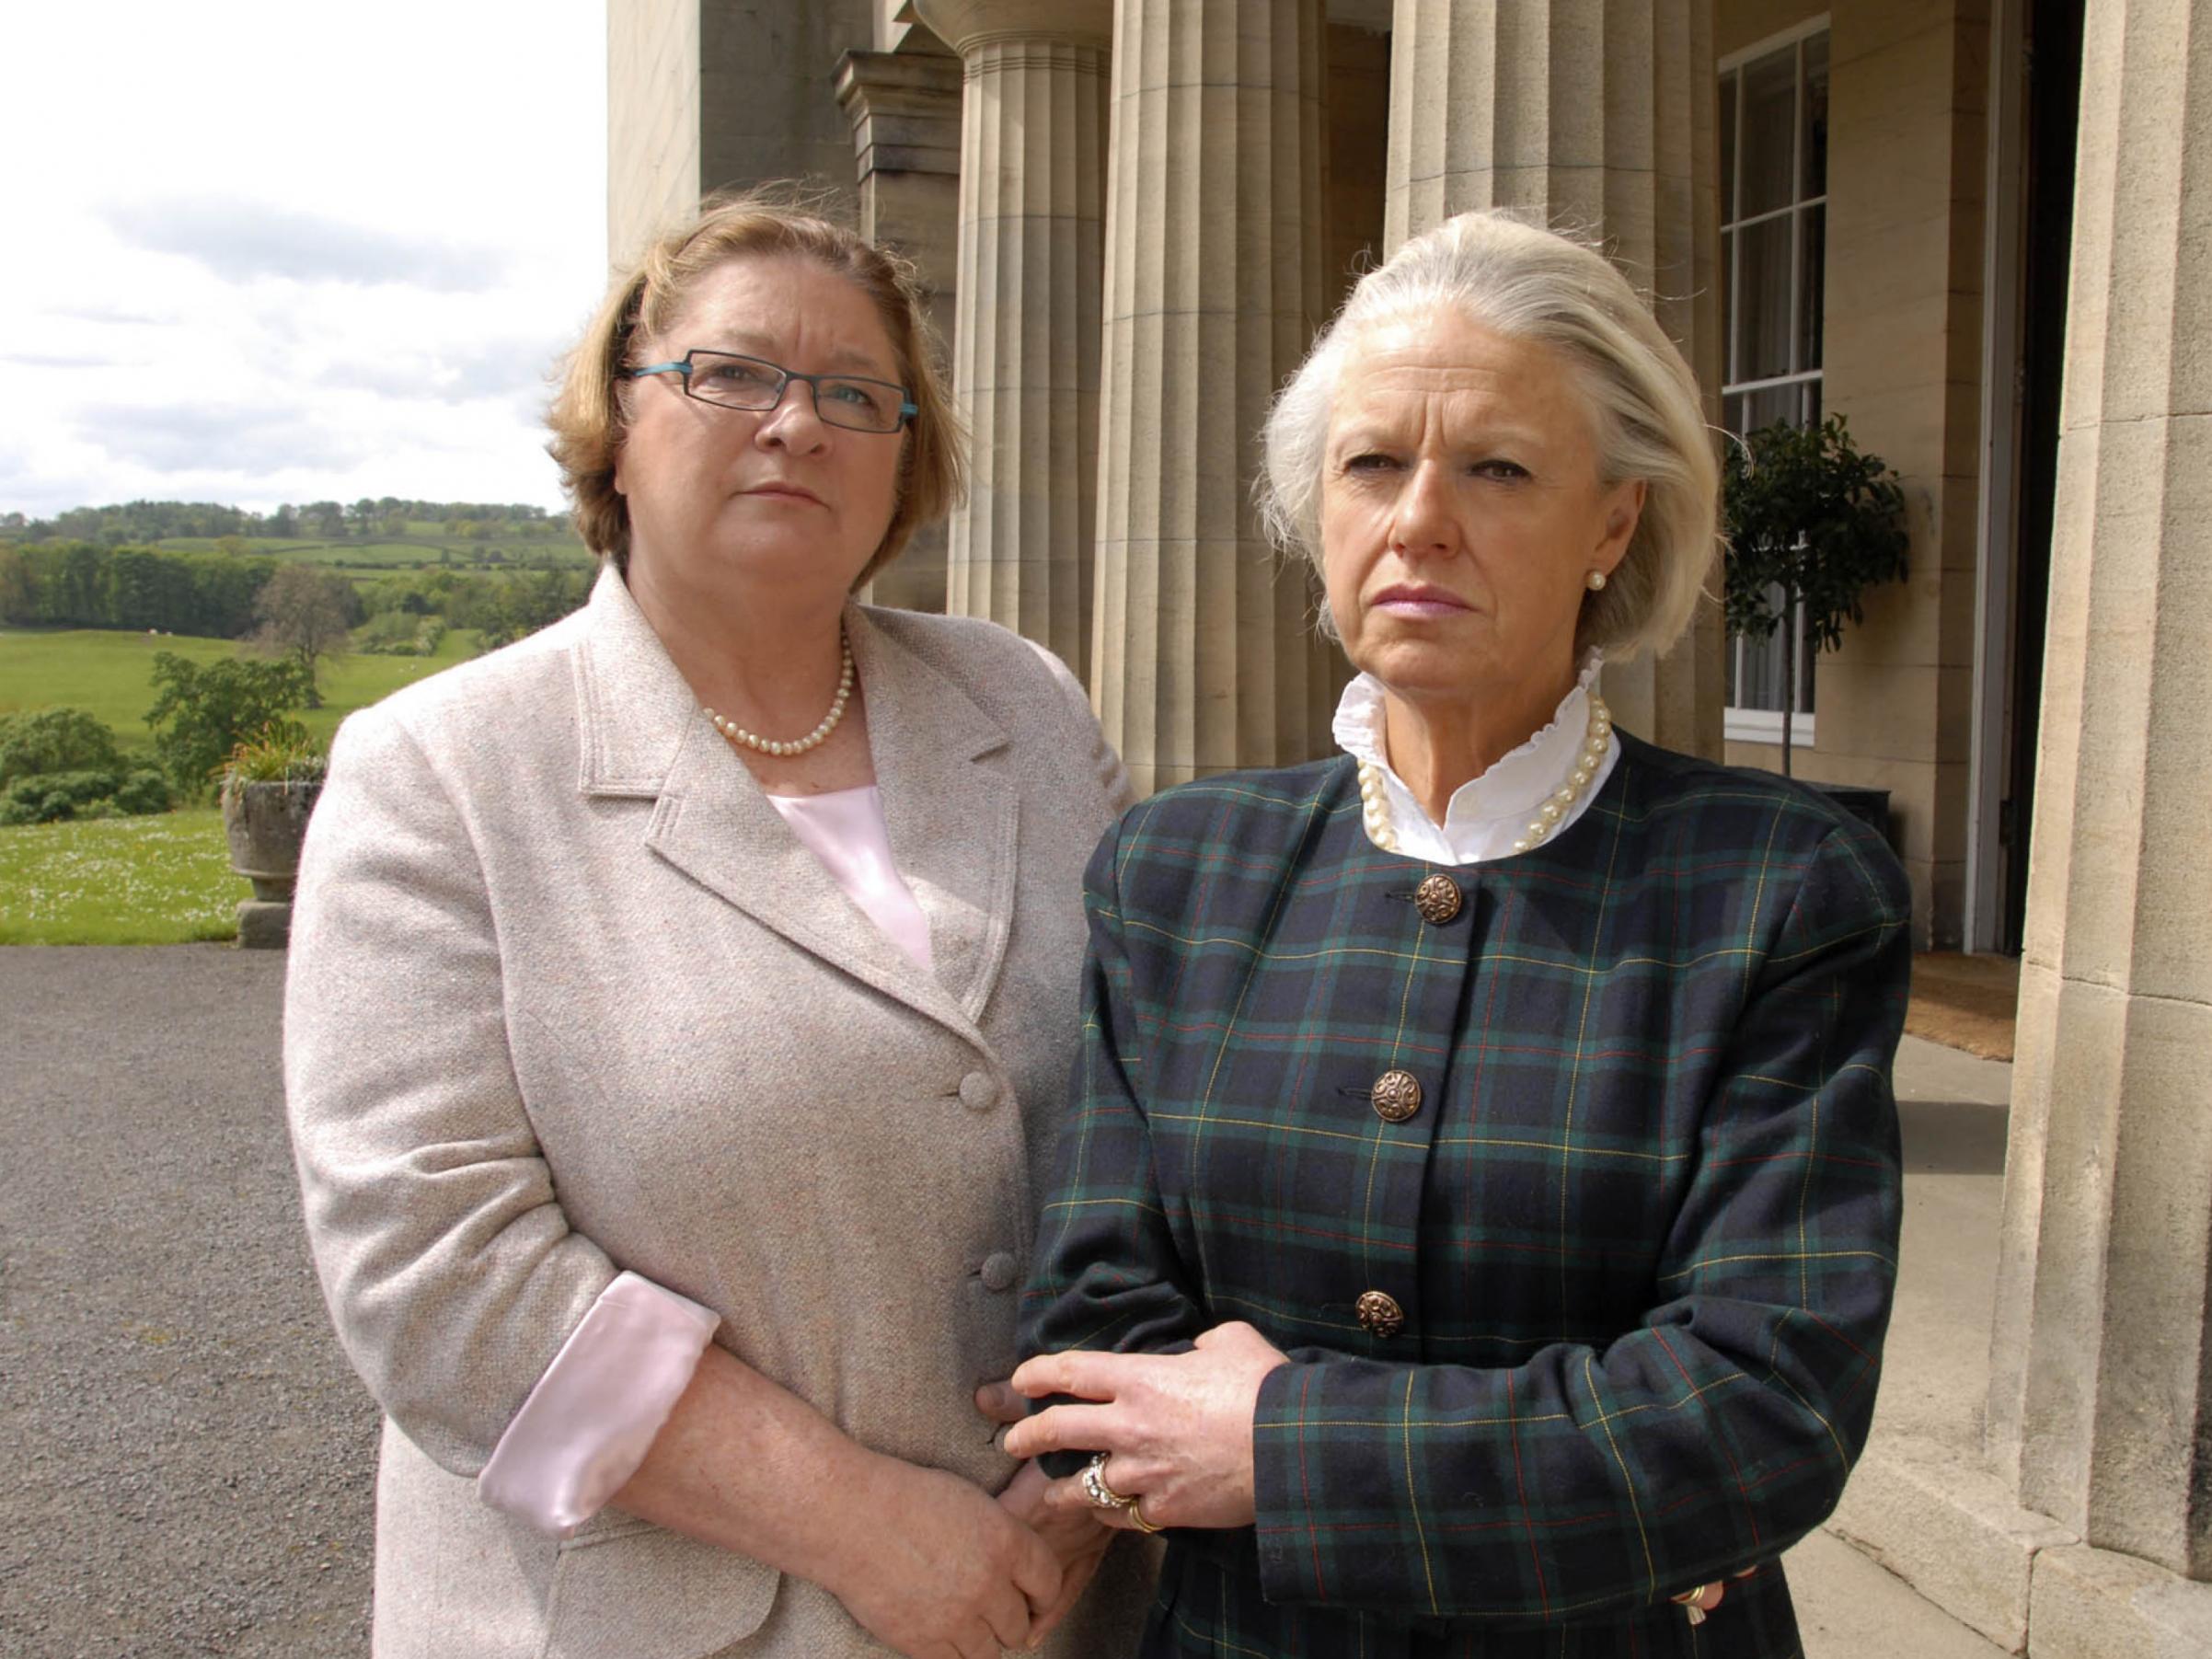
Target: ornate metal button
x: 1379, y: 1314
x: 1437, y: 899
x: 1396, y: 1096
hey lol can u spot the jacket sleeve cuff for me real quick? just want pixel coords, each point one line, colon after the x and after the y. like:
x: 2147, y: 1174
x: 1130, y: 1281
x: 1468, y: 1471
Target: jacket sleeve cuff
x: 588, y: 1424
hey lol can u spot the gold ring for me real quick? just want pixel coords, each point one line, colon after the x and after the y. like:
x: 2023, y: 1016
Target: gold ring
x: 1135, y: 1510
x: 1688, y: 1601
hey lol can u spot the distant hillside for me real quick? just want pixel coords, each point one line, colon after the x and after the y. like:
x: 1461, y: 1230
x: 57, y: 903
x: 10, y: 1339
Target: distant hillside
x: 463, y: 527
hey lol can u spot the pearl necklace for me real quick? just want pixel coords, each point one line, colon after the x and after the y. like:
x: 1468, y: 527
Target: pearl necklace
x: 799, y: 745
x: 1375, y: 803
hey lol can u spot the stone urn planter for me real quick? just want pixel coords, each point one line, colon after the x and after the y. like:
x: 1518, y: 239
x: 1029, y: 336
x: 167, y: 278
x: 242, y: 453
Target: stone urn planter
x: 266, y: 822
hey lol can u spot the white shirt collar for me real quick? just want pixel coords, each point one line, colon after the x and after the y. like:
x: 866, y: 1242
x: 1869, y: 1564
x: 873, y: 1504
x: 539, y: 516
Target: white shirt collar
x: 1487, y: 814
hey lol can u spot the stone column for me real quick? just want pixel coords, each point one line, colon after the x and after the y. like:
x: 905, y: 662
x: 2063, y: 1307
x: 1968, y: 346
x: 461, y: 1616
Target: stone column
x: 2101, y: 1373
x: 1592, y: 116
x: 1203, y: 656
x: 904, y: 108
x: 1033, y: 215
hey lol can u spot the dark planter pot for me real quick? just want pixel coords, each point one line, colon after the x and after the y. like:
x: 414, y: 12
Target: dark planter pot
x: 1870, y: 807
x: 266, y: 822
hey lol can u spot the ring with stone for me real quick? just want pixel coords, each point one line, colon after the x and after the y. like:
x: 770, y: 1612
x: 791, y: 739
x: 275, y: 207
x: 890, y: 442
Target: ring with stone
x: 1101, y: 1495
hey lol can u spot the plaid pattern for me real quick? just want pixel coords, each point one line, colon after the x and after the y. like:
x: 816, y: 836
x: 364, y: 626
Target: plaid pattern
x: 1642, y: 1227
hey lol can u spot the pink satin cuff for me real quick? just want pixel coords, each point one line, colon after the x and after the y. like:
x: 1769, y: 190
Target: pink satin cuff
x: 589, y: 1423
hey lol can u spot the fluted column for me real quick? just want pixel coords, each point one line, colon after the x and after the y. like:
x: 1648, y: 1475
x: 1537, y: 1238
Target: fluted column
x: 1204, y: 658
x: 1592, y: 116
x: 1026, y: 366
x: 2101, y: 1371
x: 905, y: 107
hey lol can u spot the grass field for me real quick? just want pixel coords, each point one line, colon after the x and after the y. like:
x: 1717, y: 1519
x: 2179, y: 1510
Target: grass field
x: 161, y: 881
x: 419, y: 550
x: 110, y: 675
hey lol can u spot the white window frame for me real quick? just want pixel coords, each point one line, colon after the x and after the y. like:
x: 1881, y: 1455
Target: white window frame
x: 1765, y: 725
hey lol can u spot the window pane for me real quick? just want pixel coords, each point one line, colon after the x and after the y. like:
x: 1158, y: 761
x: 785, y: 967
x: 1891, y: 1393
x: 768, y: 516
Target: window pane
x: 1728, y: 86
x: 1766, y: 406
x: 1728, y: 657
x: 1814, y: 180
x: 1814, y: 222
x: 1760, y: 685
x: 1812, y: 415
x: 1768, y: 157
x: 1765, y: 327
x: 1728, y: 316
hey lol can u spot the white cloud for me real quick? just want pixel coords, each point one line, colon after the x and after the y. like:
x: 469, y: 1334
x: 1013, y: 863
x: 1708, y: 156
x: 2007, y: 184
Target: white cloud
x: 276, y: 252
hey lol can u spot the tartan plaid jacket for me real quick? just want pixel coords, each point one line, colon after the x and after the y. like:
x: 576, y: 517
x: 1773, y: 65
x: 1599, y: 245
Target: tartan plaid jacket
x: 1641, y: 1227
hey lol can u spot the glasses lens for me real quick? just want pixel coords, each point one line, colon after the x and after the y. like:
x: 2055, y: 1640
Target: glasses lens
x: 736, y: 382
x: 869, y: 406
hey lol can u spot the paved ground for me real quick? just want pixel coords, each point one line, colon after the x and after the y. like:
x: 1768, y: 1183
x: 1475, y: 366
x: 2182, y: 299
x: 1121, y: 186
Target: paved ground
x: 183, y: 1452
x: 184, y: 1456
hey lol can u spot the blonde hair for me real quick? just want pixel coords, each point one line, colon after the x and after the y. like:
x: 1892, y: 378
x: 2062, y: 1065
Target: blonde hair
x: 590, y: 414
x: 1533, y: 284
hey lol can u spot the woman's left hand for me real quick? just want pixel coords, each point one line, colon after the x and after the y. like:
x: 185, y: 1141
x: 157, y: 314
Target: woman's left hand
x: 1178, y: 1427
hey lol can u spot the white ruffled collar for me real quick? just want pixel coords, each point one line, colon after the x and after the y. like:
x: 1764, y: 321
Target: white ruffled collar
x: 1487, y: 814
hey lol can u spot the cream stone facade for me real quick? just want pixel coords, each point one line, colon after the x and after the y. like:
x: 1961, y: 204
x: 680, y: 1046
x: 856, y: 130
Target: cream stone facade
x: 1134, y: 214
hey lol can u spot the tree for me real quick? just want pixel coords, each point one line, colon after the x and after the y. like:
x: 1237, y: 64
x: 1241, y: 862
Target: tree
x: 205, y: 710
x: 1811, y: 524
x: 55, y: 740
x: 305, y: 613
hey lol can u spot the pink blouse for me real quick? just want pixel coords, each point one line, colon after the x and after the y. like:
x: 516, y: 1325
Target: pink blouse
x: 593, y: 1416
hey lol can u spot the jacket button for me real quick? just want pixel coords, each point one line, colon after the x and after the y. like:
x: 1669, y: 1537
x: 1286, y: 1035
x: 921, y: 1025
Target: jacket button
x: 1379, y: 1314
x: 1396, y: 1096
x: 997, y: 1271
x: 1437, y: 899
x: 978, y: 1092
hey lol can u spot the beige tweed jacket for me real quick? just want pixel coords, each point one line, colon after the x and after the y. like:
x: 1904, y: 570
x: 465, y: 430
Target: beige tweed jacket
x: 567, y: 997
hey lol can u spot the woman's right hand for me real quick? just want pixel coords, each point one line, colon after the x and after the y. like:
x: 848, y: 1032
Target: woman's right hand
x: 943, y: 1572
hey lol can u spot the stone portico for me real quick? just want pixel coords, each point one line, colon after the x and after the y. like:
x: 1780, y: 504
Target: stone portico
x: 1134, y: 214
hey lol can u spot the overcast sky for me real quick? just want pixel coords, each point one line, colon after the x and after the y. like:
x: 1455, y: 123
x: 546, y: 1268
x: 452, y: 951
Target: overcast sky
x: 278, y: 250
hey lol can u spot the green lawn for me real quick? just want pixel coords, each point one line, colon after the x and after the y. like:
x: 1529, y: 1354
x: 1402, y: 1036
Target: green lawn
x: 161, y: 881
x: 109, y: 673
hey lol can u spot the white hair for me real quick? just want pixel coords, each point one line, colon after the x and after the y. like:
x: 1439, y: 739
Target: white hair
x: 1528, y: 284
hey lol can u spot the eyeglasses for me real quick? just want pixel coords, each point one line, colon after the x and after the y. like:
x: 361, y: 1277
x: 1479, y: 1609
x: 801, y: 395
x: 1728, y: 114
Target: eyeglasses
x: 734, y: 382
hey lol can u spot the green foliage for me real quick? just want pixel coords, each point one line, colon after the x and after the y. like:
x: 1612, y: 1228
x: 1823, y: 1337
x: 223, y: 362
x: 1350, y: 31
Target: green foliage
x: 401, y: 632
x: 281, y: 751
x: 78, y: 584
x: 1807, y: 514
x: 55, y: 740
x: 46, y: 798
x: 205, y: 710
x: 154, y: 881
x: 527, y: 604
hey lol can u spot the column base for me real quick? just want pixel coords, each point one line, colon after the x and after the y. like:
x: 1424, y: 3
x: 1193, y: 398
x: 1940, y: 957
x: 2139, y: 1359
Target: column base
x: 1924, y: 1502
x: 264, y: 924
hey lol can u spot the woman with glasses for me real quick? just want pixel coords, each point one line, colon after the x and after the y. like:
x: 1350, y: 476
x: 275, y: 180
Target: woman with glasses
x: 681, y: 1006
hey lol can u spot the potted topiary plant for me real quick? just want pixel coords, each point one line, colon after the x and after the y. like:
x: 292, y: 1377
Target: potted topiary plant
x: 268, y: 786
x: 1812, y: 523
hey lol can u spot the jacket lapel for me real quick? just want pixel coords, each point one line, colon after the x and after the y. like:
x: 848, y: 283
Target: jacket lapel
x: 953, y: 815
x: 643, y: 735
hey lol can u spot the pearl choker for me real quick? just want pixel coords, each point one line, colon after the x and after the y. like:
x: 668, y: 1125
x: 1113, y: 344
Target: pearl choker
x: 1375, y: 803
x: 799, y: 745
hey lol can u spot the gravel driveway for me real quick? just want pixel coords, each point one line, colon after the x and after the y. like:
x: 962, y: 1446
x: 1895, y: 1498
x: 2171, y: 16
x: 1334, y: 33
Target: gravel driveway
x: 186, y: 1455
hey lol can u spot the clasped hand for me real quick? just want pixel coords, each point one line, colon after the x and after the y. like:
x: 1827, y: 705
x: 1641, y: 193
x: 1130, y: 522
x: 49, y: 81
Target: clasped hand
x: 1177, y: 1428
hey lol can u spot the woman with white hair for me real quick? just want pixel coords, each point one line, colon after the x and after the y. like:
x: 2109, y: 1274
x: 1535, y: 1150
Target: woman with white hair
x: 1478, y: 1223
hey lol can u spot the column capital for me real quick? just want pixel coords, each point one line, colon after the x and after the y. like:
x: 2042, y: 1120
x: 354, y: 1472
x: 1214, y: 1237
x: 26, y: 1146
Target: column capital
x: 905, y: 107
x: 966, y: 25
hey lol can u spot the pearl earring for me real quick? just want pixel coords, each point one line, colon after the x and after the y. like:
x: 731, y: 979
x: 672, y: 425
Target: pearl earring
x: 1596, y: 580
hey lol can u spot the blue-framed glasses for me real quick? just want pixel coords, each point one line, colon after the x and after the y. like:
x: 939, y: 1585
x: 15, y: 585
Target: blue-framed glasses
x: 723, y: 377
